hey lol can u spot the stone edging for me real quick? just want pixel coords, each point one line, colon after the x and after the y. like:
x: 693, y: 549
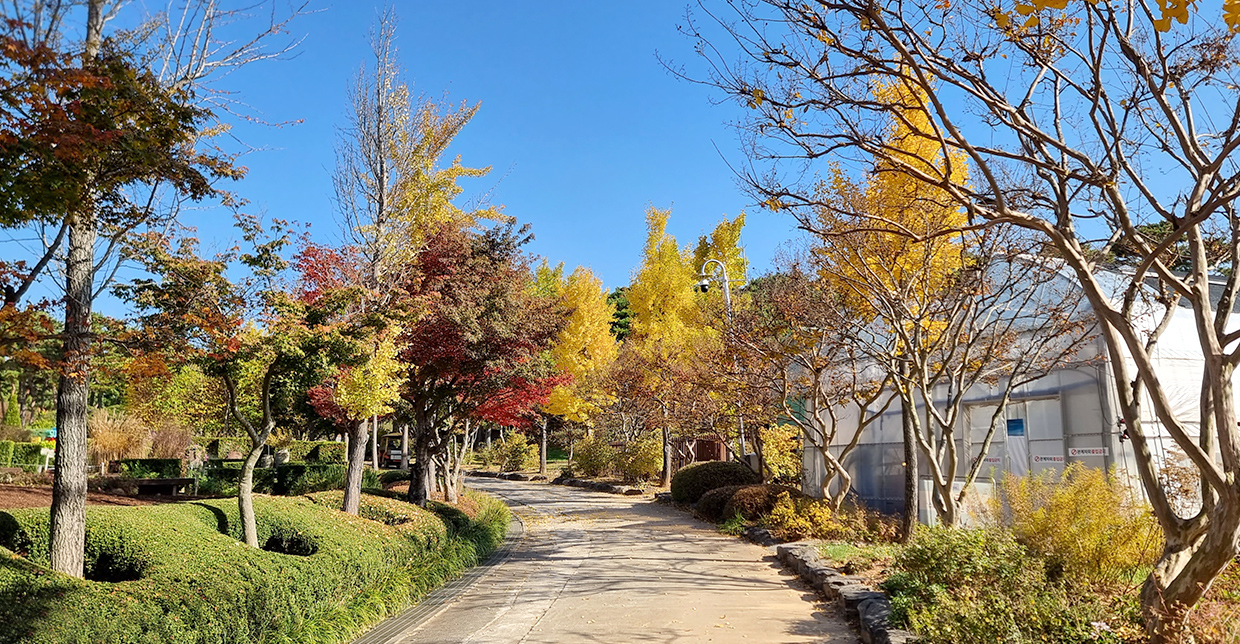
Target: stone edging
x: 507, y: 476
x: 599, y: 486
x: 870, y: 607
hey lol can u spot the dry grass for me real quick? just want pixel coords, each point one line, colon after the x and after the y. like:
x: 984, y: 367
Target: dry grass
x: 170, y: 440
x: 116, y: 435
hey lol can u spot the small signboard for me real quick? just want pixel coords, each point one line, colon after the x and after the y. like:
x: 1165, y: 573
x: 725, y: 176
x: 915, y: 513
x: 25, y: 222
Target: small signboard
x: 1016, y: 427
x: 1089, y: 451
x: 993, y: 460
x: 1047, y: 459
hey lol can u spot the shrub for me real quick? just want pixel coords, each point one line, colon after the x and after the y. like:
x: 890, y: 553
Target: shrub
x: 197, y: 584
x: 27, y: 455
x: 484, y: 455
x: 756, y: 501
x: 221, y: 447
x: 691, y: 482
x: 781, y: 449
x: 388, y: 477
x: 710, y: 506
x: 150, y: 468
x: 1081, y: 523
x: 316, y: 451
x: 980, y: 587
x: 115, y: 435
x: 802, y: 517
x: 287, y: 479
x: 593, y: 456
x: 517, y: 454
x: 640, y: 460
x: 6, y: 453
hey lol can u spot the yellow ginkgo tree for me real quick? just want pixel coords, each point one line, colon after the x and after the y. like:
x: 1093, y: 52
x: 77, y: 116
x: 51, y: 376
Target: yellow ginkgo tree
x: 362, y: 392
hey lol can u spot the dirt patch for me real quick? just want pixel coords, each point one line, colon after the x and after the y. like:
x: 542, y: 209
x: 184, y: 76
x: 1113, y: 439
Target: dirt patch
x: 14, y: 496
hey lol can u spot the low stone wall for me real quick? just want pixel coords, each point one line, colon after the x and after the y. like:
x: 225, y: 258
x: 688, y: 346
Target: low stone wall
x: 507, y: 476
x: 870, y: 607
x: 599, y: 486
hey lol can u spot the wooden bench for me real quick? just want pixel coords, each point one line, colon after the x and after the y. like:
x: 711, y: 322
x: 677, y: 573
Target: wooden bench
x: 172, y: 486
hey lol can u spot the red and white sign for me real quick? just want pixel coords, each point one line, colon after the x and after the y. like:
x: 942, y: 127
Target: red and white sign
x: 1089, y: 451
x: 1047, y: 459
x: 993, y: 460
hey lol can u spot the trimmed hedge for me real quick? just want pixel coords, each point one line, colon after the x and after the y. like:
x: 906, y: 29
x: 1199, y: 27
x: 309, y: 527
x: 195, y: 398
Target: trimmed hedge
x: 218, y: 447
x: 710, y: 506
x: 696, y: 479
x: 176, y: 573
x: 27, y: 455
x: 6, y: 453
x: 150, y: 468
x: 317, y: 452
x: 756, y: 501
x: 283, y: 480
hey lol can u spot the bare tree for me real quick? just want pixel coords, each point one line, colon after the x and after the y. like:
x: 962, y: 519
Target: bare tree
x: 1083, y: 126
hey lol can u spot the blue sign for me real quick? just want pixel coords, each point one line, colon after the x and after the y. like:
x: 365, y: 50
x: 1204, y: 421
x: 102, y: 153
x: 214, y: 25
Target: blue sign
x: 1016, y: 427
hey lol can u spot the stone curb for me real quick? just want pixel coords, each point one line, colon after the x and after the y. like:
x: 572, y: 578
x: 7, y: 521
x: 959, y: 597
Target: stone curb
x: 599, y: 486
x: 507, y: 476
x: 871, y: 608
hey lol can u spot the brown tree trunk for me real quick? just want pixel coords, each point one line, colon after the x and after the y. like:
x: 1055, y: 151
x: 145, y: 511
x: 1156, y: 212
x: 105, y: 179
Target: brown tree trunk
x: 666, y: 479
x: 68, y: 519
x: 356, y: 467
x: 542, y: 449
x: 404, y: 447
x: 245, y: 496
x: 908, y: 523
x: 422, y: 473
x: 1183, y: 575
x: 68, y: 514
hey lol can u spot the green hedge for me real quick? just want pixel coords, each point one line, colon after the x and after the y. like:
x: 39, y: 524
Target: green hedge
x: 180, y: 576
x: 299, y: 451
x: 6, y: 453
x: 317, y: 452
x: 150, y: 468
x: 28, y: 454
x: 283, y: 480
x: 696, y: 479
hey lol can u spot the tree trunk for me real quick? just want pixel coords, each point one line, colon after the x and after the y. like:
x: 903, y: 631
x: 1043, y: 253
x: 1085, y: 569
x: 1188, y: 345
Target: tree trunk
x: 908, y: 522
x: 357, y: 464
x: 404, y: 447
x: 1183, y: 575
x: 542, y: 449
x: 68, y: 519
x: 374, y: 442
x: 422, y: 473
x: 666, y: 480
x: 245, y: 496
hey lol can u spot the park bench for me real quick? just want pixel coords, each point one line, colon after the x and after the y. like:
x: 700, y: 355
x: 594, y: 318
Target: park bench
x: 171, y: 486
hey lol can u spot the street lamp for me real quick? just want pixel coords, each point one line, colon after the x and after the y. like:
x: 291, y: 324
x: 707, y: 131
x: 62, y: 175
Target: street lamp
x: 702, y: 286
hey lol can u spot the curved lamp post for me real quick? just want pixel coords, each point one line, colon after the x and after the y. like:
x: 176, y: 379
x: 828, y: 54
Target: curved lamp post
x: 703, y: 284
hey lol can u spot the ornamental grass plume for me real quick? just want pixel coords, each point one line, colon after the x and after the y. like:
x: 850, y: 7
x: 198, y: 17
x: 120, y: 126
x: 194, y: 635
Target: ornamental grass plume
x: 116, y: 435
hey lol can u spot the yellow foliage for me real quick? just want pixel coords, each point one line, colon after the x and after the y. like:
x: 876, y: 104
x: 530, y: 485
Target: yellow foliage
x: 1081, y: 521
x: 812, y: 518
x: 895, y: 234
x: 1168, y: 11
x: 370, y: 388
x: 585, y: 348
x: 666, y: 318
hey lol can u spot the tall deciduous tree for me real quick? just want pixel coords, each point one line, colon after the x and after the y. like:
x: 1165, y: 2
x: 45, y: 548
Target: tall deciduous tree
x: 193, y: 312
x: 128, y: 118
x: 1082, y: 126
x: 584, y: 350
x: 666, y: 319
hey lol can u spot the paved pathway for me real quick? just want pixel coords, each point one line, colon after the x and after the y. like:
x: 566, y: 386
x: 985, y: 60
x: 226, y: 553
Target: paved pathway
x: 594, y: 567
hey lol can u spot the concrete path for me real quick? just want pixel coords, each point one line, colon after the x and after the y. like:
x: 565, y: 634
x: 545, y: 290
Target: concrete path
x: 595, y: 567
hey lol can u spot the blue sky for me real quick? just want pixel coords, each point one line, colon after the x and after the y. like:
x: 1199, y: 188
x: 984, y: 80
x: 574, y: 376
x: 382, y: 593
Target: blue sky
x: 582, y: 125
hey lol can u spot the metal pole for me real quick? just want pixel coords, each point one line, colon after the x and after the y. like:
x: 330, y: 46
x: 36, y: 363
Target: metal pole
x: 727, y: 301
